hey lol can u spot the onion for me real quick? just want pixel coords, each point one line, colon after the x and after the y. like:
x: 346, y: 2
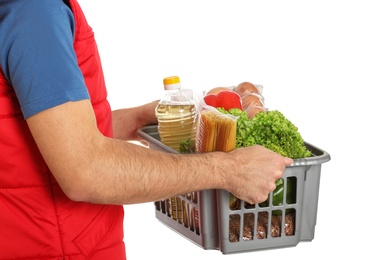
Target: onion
x: 252, y: 99
x: 253, y: 103
x: 215, y: 91
x: 246, y: 88
x: 253, y: 110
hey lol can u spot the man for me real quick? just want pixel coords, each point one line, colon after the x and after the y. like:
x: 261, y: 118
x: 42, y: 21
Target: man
x: 66, y: 168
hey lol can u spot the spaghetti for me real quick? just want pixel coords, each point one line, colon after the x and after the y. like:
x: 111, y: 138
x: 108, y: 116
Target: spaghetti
x: 217, y: 132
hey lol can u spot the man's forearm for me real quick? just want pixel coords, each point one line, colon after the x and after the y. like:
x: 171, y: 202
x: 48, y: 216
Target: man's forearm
x: 128, y: 173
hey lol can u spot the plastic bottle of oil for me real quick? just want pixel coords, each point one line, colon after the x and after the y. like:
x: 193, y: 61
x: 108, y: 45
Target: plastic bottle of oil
x: 177, y: 116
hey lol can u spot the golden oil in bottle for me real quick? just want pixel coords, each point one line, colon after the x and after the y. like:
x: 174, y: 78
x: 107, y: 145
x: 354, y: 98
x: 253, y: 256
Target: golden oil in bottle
x: 177, y: 116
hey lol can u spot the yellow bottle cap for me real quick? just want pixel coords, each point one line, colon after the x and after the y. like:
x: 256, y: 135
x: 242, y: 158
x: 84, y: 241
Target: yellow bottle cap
x: 171, y: 80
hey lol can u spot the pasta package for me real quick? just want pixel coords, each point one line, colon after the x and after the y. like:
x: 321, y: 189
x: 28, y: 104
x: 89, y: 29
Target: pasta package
x: 217, y: 131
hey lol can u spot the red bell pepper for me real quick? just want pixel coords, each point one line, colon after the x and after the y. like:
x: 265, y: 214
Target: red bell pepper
x: 226, y: 99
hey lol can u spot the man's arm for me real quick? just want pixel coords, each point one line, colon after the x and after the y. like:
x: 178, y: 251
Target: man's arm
x: 91, y: 167
x: 127, y: 121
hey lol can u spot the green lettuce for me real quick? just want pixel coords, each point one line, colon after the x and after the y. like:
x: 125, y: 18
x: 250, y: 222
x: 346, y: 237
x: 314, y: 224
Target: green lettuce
x: 270, y: 129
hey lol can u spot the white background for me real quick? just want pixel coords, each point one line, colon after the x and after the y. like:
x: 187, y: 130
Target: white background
x: 314, y: 59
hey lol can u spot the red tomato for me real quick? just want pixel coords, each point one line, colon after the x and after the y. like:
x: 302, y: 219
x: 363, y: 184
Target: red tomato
x: 226, y: 99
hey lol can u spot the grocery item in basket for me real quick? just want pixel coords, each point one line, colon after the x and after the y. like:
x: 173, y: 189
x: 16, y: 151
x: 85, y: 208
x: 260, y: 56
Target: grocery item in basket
x: 177, y: 115
x: 217, y: 131
x: 246, y: 87
x: 252, y: 98
x: 248, y: 97
x: 226, y: 98
x: 253, y: 103
x: 271, y: 130
x: 217, y: 90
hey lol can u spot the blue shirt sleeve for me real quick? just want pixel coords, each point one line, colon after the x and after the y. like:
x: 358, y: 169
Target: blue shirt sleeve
x: 41, y: 62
